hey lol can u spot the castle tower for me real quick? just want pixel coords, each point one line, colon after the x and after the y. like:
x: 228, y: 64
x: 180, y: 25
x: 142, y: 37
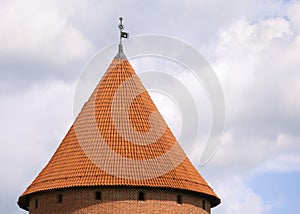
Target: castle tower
x: 119, y: 156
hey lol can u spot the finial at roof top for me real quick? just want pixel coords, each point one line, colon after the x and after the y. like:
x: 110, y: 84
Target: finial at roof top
x: 122, y: 34
x: 120, y: 54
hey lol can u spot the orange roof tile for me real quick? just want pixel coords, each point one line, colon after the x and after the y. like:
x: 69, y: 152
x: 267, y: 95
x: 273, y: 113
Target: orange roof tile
x: 119, y: 139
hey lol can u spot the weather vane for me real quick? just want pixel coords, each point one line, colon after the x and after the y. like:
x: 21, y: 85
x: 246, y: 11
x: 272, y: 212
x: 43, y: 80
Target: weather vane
x: 122, y: 34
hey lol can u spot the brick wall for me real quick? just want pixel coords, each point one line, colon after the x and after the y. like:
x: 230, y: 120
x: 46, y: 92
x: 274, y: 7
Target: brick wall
x: 116, y: 200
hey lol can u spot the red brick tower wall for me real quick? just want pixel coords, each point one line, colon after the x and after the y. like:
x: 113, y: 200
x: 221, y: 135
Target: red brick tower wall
x: 110, y: 200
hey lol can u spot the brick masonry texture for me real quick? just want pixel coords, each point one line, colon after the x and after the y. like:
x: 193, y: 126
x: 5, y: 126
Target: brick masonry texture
x: 117, y: 200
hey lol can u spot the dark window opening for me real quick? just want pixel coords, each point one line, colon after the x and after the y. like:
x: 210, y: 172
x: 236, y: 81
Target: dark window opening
x: 59, y: 198
x: 141, y: 196
x: 179, y: 199
x: 36, y: 204
x: 203, y: 204
x: 98, y: 196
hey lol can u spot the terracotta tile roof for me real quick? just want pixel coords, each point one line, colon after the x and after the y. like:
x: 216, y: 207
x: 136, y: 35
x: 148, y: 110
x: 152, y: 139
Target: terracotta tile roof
x: 119, y: 139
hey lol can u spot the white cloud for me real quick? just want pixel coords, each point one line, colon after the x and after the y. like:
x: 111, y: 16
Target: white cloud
x: 35, y: 29
x: 31, y: 126
x: 237, y: 197
x: 285, y: 155
x: 293, y: 14
x: 258, y: 64
x: 245, y: 37
x: 290, y: 92
x: 260, y: 60
x: 274, y: 28
x: 282, y: 163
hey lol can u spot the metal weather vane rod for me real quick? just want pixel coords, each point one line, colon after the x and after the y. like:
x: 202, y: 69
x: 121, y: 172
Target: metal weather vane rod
x: 122, y: 33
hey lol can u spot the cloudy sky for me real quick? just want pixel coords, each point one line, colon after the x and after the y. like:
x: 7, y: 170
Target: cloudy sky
x: 252, y: 45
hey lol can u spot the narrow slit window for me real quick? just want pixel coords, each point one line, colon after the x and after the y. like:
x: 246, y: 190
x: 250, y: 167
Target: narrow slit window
x: 179, y: 199
x: 36, y: 204
x: 98, y: 196
x: 203, y: 204
x: 141, y: 196
x: 59, y: 198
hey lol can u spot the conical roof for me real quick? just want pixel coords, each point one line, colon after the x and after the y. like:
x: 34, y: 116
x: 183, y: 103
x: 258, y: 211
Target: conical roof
x: 119, y: 139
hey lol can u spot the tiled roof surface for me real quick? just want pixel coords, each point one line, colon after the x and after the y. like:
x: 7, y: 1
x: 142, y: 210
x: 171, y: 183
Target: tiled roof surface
x: 79, y: 161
